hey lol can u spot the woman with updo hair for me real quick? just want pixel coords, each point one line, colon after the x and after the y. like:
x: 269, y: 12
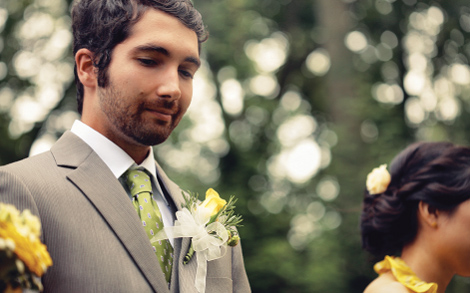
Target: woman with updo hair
x: 417, y: 218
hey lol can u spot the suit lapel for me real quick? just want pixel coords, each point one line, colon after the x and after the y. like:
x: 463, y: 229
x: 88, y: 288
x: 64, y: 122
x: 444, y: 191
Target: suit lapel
x: 170, y: 188
x: 99, y: 185
x: 183, y: 276
x: 173, y: 192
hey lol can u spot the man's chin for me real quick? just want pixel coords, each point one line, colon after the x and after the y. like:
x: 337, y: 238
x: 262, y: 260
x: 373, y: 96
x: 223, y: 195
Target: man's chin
x: 152, y: 139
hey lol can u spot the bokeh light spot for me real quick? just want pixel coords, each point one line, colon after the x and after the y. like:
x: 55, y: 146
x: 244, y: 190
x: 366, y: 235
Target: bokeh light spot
x: 318, y: 62
x: 356, y: 41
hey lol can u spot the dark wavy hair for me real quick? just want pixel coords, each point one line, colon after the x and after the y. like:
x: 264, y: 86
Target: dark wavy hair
x: 99, y: 25
x: 437, y: 173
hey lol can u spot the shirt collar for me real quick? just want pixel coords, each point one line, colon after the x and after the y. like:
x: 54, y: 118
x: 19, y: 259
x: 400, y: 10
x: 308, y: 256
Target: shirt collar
x: 117, y: 160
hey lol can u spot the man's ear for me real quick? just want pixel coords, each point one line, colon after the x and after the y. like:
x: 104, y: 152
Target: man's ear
x: 85, y: 70
x: 428, y: 214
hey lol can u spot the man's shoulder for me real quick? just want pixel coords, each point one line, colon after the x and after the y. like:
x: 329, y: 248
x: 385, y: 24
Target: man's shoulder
x: 63, y: 149
x: 30, y: 165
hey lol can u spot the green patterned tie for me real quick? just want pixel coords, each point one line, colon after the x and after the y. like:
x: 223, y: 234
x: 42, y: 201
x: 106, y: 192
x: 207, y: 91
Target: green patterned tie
x: 147, y: 208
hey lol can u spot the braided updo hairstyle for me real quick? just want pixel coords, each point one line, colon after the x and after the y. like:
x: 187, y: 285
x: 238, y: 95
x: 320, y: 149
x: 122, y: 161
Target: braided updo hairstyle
x: 437, y: 173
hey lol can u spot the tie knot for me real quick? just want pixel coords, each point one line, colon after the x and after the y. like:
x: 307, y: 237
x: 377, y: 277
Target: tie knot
x: 138, y: 181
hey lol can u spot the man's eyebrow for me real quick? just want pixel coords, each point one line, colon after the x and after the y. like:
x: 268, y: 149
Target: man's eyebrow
x: 163, y: 51
x: 193, y: 60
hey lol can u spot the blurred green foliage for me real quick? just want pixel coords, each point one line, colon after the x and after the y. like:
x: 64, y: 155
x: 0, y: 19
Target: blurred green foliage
x: 355, y: 128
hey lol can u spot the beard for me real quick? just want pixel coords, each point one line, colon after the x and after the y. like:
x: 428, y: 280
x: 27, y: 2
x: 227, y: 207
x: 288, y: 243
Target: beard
x: 127, y: 118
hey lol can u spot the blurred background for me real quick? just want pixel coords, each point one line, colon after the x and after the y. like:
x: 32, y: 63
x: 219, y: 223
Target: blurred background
x: 295, y: 103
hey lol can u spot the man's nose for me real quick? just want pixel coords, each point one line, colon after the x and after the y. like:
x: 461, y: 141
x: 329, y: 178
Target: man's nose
x: 169, y: 84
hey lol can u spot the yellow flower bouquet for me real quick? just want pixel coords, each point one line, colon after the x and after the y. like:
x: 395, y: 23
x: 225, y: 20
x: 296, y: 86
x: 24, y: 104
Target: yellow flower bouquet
x: 23, y: 258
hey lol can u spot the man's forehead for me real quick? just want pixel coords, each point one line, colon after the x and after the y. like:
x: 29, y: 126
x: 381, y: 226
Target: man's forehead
x: 160, y: 18
x: 160, y: 32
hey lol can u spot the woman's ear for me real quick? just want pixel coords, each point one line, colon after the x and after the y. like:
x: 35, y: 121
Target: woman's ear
x: 86, y: 71
x: 428, y: 214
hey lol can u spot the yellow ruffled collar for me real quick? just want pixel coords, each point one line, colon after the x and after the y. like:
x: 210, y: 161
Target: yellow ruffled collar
x: 402, y: 272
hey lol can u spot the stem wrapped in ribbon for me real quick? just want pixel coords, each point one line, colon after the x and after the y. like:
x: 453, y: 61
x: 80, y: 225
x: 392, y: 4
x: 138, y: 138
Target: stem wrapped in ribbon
x: 211, y: 225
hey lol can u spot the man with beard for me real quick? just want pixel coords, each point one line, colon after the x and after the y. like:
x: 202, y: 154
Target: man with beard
x: 134, y: 66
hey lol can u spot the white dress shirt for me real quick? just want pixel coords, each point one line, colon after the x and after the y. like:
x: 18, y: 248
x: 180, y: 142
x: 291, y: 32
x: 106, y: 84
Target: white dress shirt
x: 119, y: 162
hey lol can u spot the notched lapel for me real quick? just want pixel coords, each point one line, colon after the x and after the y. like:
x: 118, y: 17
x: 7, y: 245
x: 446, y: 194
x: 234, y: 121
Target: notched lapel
x: 99, y: 185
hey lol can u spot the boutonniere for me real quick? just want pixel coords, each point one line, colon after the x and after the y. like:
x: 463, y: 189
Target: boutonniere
x: 210, y: 224
x: 23, y: 258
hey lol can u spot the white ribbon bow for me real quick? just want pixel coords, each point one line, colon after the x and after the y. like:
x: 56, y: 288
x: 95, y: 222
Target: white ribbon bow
x: 208, y: 241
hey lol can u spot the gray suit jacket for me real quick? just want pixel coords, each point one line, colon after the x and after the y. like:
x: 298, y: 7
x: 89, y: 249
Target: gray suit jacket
x: 92, y: 231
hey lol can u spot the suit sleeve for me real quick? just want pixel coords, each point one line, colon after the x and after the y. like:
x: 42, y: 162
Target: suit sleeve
x: 15, y: 192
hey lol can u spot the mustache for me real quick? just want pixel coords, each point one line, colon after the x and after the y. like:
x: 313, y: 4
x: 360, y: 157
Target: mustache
x: 162, y: 103
x: 171, y: 106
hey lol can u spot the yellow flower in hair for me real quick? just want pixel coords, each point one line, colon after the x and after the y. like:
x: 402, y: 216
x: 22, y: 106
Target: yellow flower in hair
x: 378, y: 180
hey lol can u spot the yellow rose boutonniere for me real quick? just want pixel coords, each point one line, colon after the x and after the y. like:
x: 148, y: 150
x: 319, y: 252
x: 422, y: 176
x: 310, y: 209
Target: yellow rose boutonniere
x: 211, y: 225
x: 213, y: 203
x: 378, y: 180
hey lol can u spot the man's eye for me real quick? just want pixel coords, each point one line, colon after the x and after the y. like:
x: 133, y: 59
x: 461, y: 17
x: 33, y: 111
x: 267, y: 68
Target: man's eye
x: 147, y: 62
x: 186, y: 74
